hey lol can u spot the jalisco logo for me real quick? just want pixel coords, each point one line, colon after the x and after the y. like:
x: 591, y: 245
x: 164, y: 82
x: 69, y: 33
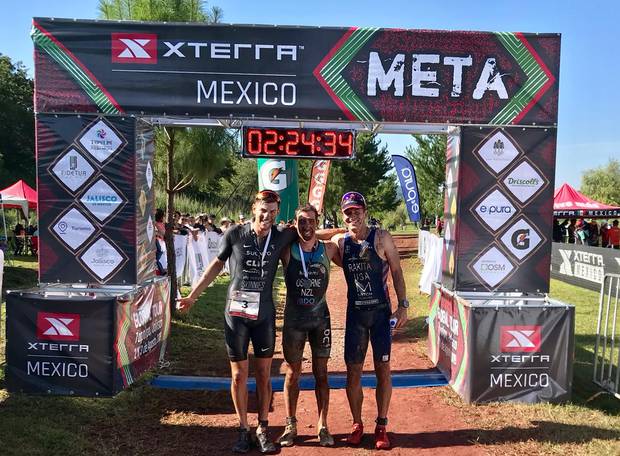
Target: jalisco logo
x: 58, y: 326
x: 102, y: 200
x: 102, y: 258
x: 134, y: 48
x: 520, y: 338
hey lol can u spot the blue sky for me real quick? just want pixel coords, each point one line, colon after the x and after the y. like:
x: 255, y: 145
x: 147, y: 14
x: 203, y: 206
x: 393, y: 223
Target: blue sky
x: 589, y: 70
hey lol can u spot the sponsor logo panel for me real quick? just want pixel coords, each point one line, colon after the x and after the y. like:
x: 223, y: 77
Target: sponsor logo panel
x: 73, y: 229
x: 520, y: 338
x: 494, y: 210
x: 524, y: 182
x: 134, y: 48
x: 497, y: 152
x: 521, y: 239
x: 58, y: 326
x: 102, y: 258
x: 101, y: 200
x: 492, y: 267
x: 101, y: 141
x: 72, y: 170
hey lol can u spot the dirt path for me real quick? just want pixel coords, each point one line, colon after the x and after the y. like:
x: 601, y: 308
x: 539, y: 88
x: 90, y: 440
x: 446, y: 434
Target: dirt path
x: 419, y: 423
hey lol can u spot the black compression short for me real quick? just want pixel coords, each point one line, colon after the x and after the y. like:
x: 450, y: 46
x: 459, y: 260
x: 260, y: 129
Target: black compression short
x: 316, y: 330
x: 239, y: 331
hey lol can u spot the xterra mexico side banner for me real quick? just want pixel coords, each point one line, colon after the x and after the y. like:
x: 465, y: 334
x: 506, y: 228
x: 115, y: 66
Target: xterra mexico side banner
x: 287, y: 72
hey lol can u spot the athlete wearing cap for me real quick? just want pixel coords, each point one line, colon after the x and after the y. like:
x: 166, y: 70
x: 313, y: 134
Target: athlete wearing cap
x: 367, y: 255
x: 253, y: 250
x: 306, y: 316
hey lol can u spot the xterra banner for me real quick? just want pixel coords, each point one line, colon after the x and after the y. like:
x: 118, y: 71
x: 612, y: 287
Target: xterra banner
x: 306, y: 73
x: 583, y: 265
x: 494, y: 351
x: 85, y: 343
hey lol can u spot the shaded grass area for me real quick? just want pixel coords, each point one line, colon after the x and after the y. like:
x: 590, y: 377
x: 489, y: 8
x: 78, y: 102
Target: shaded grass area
x: 582, y: 426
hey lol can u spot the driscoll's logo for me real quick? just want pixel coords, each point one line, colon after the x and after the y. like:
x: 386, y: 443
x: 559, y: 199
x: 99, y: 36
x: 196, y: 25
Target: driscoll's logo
x: 58, y: 326
x: 134, y: 48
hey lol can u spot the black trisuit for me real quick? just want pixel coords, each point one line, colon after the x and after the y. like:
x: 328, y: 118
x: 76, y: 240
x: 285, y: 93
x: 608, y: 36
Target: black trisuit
x: 250, y: 311
x: 306, y: 314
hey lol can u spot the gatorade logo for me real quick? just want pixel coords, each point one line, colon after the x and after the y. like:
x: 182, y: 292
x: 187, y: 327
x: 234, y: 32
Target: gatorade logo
x: 273, y: 175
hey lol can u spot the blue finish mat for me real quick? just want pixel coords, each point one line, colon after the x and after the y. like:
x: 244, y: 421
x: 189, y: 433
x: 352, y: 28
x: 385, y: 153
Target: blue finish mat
x: 306, y: 382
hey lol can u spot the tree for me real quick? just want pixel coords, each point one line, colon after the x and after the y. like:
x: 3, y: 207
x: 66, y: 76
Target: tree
x: 603, y: 183
x: 189, y: 154
x: 368, y: 173
x: 429, y: 160
x: 17, y: 120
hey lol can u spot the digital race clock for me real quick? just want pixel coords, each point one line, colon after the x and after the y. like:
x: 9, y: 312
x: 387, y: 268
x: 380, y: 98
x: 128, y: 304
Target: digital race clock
x: 261, y: 142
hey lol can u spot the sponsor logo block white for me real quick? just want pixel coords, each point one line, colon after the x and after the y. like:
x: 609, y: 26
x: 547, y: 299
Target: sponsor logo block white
x: 101, y: 200
x: 101, y: 141
x: 493, y: 267
x: 521, y: 239
x: 495, y: 210
x: 150, y: 229
x: 149, y: 175
x: 72, y: 169
x: 498, y: 152
x: 58, y: 327
x: 73, y: 229
x: 102, y: 258
x: 523, y: 182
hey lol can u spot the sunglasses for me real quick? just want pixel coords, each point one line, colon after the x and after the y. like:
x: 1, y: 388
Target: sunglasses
x: 267, y: 196
x: 354, y: 197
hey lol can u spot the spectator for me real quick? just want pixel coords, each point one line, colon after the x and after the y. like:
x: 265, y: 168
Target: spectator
x: 439, y: 226
x: 224, y: 224
x: 160, y: 227
x: 242, y: 220
x: 557, y: 231
x: 211, y: 226
x: 614, y: 235
x: 581, y: 232
x: 594, y: 233
x: 604, y: 232
x: 570, y: 231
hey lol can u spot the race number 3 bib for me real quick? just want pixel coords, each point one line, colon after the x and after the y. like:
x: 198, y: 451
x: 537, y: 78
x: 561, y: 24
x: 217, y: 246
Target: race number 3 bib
x: 244, y: 304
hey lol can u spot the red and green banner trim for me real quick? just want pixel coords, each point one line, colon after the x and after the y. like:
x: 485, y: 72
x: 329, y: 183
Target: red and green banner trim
x: 329, y: 73
x: 539, y: 79
x: 85, y: 79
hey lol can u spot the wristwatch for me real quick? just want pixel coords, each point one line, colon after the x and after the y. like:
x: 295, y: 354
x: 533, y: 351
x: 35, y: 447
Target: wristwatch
x: 404, y: 304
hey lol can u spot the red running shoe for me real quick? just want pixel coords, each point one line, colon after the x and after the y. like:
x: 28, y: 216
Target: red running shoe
x: 356, y: 435
x: 381, y: 438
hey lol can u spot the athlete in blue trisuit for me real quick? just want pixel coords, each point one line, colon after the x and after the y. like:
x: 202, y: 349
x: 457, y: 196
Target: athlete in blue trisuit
x: 367, y: 256
x: 306, y: 316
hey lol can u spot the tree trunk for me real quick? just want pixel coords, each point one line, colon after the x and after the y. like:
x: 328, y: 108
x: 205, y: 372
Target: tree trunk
x: 169, y: 236
x: 335, y: 218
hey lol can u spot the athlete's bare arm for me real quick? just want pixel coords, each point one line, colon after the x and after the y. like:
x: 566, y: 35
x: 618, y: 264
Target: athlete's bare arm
x: 212, y: 271
x: 333, y: 253
x: 384, y: 244
x: 285, y: 256
x: 326, y: 234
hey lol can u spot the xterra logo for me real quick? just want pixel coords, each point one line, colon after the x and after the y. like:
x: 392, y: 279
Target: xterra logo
x: 134, y: 48
x: 58, y: 326
x: 520, y: 338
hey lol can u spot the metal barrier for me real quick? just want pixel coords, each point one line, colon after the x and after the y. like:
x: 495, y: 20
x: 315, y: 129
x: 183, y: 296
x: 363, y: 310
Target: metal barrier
x: 607, y: 348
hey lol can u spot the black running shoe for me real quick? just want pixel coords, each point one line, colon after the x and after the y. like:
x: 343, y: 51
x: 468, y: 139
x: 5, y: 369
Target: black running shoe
x: 243, y: 444
x: 262, y: 441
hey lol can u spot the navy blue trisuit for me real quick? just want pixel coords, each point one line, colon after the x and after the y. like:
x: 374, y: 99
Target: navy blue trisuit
x: 368, y: 301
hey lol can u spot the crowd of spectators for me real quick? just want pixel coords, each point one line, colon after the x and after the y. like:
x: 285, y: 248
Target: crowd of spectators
x: 587, y: 232
x: 186, y: 224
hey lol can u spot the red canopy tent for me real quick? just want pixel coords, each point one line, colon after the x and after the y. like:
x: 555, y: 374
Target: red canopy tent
x: 568, y: 202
